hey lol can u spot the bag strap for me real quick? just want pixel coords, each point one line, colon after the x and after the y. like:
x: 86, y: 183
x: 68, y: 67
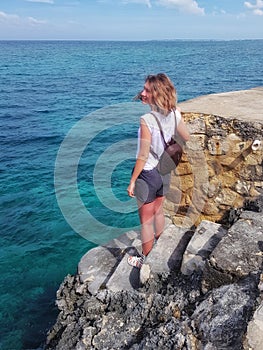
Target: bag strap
x: 161, y: 131
x: 160, y: 127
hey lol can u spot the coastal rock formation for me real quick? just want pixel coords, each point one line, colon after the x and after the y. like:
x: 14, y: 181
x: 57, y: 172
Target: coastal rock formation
x: 215, y: 304
x: 201, y: 287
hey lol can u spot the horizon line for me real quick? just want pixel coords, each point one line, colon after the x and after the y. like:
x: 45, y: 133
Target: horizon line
x: 134, y: 40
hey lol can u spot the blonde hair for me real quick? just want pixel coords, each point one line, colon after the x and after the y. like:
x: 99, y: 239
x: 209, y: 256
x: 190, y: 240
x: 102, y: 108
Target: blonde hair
x: 163, y: 91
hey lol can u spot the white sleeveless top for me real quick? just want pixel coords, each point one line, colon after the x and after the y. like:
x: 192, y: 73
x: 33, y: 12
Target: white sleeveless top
x: 157, y: 146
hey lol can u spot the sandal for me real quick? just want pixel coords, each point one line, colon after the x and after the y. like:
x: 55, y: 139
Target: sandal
x: 136, y: 261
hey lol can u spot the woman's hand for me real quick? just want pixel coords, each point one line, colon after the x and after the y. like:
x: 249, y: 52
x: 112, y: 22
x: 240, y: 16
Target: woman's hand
x: 130, y: 189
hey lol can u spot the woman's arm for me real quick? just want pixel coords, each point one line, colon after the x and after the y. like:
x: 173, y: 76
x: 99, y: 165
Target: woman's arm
x: 145, y: 143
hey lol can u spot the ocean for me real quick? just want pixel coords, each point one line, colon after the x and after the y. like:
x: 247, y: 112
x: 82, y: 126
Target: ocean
x: 68, y: 142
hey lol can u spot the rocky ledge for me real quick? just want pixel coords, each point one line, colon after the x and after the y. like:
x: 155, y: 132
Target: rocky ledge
x: 199, y: 289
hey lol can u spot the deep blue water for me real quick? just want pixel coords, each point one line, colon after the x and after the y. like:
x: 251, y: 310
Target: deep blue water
x: 81, y: 92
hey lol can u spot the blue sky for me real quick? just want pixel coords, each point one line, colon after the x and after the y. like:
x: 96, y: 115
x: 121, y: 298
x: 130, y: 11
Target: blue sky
x: 131, y: 19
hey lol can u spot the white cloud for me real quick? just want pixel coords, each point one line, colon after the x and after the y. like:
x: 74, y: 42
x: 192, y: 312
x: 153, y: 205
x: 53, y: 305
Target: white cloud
x: 43, y: 1
x: 190, y: 6
x: 33, y: 20
x: 143, y: 2
x: 16, y: 20
x: 7, y: 17
x: 258, y: 12
x: 257, y: 8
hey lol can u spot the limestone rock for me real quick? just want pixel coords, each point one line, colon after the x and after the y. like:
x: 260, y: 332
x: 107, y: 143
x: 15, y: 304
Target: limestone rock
x: 206, y: 237
x: 243, y: 241
x: 221, y: 319
x: 97, y: 265
x: 169, y: 310
x: 167, y: 253
x: 255, y: 330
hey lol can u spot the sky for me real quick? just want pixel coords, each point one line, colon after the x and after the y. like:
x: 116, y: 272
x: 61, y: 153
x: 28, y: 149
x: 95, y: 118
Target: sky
x: 130, y: 19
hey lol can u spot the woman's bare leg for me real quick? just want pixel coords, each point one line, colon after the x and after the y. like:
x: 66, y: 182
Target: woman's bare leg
x: 146, y: 213
x: 159, y: 219
x: 152, y: 221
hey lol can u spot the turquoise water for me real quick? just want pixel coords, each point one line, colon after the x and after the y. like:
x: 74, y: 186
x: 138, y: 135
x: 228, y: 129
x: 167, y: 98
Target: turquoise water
x: 46, y: 90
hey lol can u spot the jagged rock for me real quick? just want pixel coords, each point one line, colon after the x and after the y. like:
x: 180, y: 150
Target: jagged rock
x: 221, y: 319
x: 255, y: 204
x: 255, y: 330
x: 239, y: 252
x: 151, y: 318
x: 208, y: 309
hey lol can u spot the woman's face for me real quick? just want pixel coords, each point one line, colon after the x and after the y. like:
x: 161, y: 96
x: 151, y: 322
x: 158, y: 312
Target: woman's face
x: 146, y: 95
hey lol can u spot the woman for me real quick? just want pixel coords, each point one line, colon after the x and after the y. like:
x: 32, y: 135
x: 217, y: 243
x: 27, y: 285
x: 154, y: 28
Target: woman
x: 146, y: 184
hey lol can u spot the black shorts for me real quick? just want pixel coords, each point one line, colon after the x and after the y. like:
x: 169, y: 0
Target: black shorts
x: 150, y: 185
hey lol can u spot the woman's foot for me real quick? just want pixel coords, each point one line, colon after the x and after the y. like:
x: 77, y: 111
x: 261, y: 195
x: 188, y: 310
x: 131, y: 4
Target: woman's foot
x: 136, y: 261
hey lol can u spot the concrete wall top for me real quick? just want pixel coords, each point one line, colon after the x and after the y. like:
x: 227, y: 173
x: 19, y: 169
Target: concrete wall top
x: 246, y: 105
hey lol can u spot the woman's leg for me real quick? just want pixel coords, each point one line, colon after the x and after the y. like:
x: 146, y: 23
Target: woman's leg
x: 146, y: 213
x: 159, y: 219
x: 152, y: 221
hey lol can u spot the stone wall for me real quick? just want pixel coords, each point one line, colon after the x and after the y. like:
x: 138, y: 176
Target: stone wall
x: 220, y: 170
